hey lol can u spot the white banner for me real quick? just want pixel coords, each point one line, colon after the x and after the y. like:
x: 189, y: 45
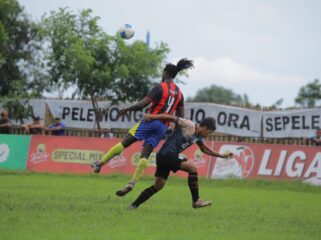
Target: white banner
x: 291, y: 123
x: 229, y: 120
x: 80, y: 114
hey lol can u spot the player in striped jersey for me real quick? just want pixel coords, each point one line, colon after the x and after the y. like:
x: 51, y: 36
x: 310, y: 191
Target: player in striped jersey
x: 165, y: 98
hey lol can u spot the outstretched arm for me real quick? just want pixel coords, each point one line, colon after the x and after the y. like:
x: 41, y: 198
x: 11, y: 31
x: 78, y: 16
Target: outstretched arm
x: 210, y: 152
x: 137, y: 106
x: 154, y: 95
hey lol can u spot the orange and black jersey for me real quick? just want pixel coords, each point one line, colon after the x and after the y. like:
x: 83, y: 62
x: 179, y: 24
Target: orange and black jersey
x: 166, y: 97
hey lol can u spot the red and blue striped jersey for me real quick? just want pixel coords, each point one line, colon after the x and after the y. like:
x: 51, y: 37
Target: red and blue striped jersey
x: 166, y: 97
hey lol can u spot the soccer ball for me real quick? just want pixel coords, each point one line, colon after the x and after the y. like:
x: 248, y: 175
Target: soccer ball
x: 126, y: 31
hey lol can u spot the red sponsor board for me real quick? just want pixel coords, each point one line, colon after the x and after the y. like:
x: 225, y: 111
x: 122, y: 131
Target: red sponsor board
x: 74, y: 154
x: 267, y: 161
x: 59, y: 154
x: 70, y: 154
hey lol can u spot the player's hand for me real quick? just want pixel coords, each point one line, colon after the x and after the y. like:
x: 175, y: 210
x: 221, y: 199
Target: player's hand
x: 148, y: 117
x: 227, y: 155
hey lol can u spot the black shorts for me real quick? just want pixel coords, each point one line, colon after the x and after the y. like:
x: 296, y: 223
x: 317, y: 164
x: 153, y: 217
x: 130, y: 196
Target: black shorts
x: 167, y: 163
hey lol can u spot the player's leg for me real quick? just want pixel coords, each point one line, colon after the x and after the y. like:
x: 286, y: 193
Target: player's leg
x: 114, y: 151
x: 189, y: 167
x: 161, y: 174
x: 141, y: 165
x: 118, y: 148
x: 152, y: 132
x: 156, y: 132
x: 148, y: 192
x: 143, y: 162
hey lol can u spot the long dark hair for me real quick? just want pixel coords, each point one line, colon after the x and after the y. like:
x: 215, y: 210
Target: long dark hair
x: 182, y: 64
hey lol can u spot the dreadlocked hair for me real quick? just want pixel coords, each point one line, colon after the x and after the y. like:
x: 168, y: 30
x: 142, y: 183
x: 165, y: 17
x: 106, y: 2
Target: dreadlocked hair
x: 182, y: 64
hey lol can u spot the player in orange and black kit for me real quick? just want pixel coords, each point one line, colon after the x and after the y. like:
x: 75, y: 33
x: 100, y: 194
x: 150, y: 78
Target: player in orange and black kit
x: 166, y: 98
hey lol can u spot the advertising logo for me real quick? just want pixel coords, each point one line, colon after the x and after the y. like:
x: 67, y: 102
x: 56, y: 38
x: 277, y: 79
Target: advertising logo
x: 240, y: 166
x: 4, y: 152
x: 117, y: 161
x: 198, y: 159
x: 41, y: 155
x: 151, y: 160
x: 76, y: 155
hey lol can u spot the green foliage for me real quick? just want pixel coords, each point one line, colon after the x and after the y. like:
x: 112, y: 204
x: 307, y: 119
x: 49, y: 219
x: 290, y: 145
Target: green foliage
x: 40, y: 206
x: 18, y: 52
x: 3, y: 42
x: 309, y: 95
x: 82, y: 55
x: 18, y: 108
x: 220, y: 95
x: 21, y: 77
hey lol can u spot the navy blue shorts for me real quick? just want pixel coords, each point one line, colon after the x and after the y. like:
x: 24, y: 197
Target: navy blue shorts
x: 150, y: 131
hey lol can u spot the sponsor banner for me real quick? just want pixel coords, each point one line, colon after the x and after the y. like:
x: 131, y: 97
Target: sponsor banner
x: 240, y: 166
x: 69, y: 154
x: 14, y: 151
x: 291, y: 123
x: 268, y: 161
x: 80, y: 114
x: 72, y: 154
x: 229, y: 120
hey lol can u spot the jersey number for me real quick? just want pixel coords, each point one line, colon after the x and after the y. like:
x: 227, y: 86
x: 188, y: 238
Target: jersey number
x: 170, y: 103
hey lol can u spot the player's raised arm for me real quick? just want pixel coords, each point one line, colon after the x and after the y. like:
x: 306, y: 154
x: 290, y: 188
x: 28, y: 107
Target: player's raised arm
x: 137, y: 106
x: 210, y: 152
x: 152, y: 96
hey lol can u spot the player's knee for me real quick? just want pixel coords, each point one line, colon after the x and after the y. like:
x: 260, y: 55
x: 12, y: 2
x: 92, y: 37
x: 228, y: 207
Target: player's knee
x: 142, y: 163
x: 128, y: 140
x: 159, y: 184
x: 147, y: 150
x: 192, y: 169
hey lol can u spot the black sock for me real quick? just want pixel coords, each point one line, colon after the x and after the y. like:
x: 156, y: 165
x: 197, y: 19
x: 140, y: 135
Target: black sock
x: 193, y: 185
x: 145, y: 195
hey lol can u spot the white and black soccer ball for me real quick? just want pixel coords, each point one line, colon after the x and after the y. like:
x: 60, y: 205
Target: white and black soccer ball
x: 126, y: 31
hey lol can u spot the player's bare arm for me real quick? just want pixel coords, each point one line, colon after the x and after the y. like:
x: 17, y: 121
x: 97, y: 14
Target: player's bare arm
x: 137, y: 106
x: 210, y: 152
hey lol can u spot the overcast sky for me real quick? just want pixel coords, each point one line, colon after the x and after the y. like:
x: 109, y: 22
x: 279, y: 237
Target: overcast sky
x: 267, y: 49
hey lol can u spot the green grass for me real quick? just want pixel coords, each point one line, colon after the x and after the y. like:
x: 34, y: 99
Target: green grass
x: 47, y: 206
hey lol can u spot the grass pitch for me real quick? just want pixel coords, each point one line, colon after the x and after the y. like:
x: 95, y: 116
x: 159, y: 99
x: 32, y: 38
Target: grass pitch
x: 47, y: 206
